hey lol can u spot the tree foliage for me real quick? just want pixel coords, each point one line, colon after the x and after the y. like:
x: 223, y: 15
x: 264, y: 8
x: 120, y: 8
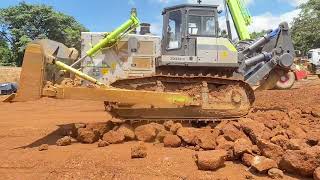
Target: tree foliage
x: 256, y: 35
x: 5, y: 54
x: 26, y: 22
x: 306, y: 27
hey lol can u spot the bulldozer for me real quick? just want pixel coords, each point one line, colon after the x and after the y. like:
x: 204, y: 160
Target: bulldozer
x: 192, y: 74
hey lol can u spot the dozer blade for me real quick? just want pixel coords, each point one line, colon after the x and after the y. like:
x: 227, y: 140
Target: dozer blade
x: 35, y: 70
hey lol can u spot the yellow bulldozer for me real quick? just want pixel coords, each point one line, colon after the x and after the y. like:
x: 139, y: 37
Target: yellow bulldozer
x: 198, y: 75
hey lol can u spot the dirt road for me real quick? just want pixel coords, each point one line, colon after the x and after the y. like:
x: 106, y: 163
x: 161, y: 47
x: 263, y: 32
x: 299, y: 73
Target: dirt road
x: 25, y: 126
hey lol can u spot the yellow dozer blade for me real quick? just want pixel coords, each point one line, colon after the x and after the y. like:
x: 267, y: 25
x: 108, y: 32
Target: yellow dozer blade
x: 36, y: 71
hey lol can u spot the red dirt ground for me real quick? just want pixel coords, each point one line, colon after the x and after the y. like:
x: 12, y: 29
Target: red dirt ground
x: 25, y: 126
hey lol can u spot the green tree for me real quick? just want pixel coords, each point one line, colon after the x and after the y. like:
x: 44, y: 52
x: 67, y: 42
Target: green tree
x: 256, y: 35
x: 26, y: 22
x: 5, y: 54
x: 306, y: 27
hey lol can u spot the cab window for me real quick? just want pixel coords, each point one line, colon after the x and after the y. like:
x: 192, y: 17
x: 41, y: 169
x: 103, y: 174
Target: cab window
x: 201, y: 25
x: 174, y: 30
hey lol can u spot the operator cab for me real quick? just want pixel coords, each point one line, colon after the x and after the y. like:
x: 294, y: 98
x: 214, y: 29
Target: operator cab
x: 190, y: 38
x: 183, y: 23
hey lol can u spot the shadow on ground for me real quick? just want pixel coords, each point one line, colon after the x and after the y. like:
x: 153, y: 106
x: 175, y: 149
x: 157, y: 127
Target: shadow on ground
x: 51, y: 139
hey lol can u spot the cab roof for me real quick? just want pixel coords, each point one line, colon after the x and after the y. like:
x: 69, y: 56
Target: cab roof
x: 190, y: 6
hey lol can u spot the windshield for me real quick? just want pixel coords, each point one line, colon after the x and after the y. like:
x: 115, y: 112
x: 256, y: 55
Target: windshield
x: 174, y: 30
x: 201, y: 23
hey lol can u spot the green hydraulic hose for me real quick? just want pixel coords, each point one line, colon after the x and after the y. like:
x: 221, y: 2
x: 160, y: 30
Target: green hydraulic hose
x: 111, y: 38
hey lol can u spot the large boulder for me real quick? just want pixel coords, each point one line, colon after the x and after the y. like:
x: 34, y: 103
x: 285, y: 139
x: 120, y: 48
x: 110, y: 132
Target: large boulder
x: 270, y: 150
x: 114, y: 137
x: 146, y: 133
x: 302, y: 162
x: 172, y: 141
x: 263, y: 164
x: 87, y: 135
x: 205, y: 138
x: 242, y: 146
x: 210, y: 160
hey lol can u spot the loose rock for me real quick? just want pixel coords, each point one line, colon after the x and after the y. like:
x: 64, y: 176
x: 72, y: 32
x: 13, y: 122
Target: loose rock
x: 207, y: 141
x: 313, y: 138
x: 172, y: 141
x: 247, y: 159
x: 210, y: 160
x: 295, y: 114
x: 228, y: 146
x: 128, y: 131
x: 174, y: 128
x: 168, y: 125
x: 263, y: 164
x: 255, y: 130
x: 316, y: 113
x: 296, y: 144
x: 204, y: 137
x: 43, y: 147
x: 113, y: 137
x: 242, y: 146
x: 270, y: 150
x: 231, y: 133
x: 275, y: 173
x: 103, y: 143
x: 65, y: 141
x: 316, y: 174
x: 296, y: 132
x: 160, y: 136
x: 281, y: 141
x: 139, y: 151
x: 102, y: 127
x: 146, y: 133
x: 88, y: 136
x: 302, y: 162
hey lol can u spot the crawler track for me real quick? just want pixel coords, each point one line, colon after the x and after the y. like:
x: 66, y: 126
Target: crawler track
x: 217, y: 98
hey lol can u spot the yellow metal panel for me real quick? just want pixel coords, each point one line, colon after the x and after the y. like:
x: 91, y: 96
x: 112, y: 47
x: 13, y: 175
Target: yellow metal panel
x: 156, y: 99
x: 31, y: 78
